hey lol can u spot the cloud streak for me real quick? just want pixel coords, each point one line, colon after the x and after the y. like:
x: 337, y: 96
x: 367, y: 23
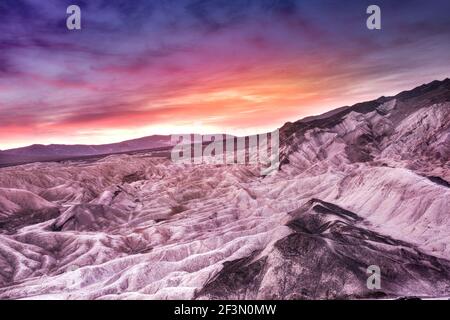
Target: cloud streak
x: 156, y: 64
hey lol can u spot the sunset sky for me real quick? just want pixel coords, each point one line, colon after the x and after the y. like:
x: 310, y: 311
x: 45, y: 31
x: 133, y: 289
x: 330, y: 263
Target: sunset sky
x: 147, y: 67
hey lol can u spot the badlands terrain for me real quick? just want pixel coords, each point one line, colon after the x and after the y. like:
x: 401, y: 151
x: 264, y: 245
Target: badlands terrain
x: 362, y: 185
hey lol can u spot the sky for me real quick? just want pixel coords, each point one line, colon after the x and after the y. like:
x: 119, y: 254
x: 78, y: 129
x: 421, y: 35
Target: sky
x: 144, y: 67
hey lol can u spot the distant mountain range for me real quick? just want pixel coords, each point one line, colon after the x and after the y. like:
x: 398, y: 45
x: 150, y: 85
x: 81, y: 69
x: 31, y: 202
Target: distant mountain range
x: 39, y: 152
x: 433, y: 92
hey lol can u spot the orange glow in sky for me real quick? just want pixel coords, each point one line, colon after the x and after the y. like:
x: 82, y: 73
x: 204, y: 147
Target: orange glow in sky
x: 207, y: 67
